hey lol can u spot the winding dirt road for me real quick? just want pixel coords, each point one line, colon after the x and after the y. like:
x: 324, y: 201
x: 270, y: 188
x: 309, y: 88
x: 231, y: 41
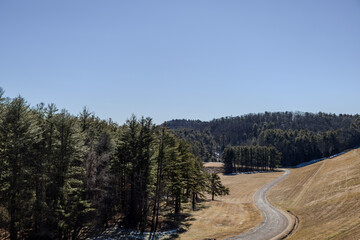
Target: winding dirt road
x: 275, y: 222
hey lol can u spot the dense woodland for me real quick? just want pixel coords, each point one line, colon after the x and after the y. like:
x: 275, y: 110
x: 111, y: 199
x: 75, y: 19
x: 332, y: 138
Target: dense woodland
x: 250, y: 158
x: 66, y: 177
x: 298, y: 136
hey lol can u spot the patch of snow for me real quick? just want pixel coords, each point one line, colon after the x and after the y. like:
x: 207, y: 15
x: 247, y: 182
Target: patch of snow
x: 309, y: 162
x: 320, y: 159
x: 250, y: 172
x: 121, y: 233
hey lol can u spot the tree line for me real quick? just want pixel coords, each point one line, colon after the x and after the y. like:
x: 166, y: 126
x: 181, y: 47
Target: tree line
x: 250, y: 158
x: 298, y: 136
x: 66, y: 177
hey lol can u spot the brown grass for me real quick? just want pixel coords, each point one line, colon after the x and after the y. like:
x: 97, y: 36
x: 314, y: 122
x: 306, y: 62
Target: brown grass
x: 214, y: 167
x: 325, y: 197
x: 213, y: 164
x: 233, y: 214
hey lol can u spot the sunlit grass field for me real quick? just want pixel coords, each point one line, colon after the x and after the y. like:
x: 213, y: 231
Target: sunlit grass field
x: 325, y: 197
x: 229, y: 215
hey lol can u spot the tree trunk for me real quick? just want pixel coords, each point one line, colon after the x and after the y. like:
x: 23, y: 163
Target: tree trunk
x: 177, y: 204
x: 14, y: 188
x: 13, y: 233
x: 132, y: 217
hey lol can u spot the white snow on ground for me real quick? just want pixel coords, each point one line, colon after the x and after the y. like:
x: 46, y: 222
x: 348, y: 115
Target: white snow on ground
x: 320, y: 159
x: 121, y: 233
x: 309, y: 162
x: 250, y: 172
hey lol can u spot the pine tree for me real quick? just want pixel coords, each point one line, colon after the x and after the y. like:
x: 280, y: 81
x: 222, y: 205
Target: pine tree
x: 197, y: 180
x: 164, y: 144
x: 135, y: 153
x: 18, y: 134
x: 39, y: 176
x: 215, y: 187
x: 69, y: 203
x: 228, y: 157
x: 98, y: 150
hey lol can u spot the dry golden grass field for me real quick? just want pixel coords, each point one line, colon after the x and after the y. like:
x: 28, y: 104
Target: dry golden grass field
x: 233, y: 214
x: 213, y: 164
x: 325, y: 197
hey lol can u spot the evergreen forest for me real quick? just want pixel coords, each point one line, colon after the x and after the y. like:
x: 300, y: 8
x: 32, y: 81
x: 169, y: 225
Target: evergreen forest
x: 296, y: 137
x: 70, y: 177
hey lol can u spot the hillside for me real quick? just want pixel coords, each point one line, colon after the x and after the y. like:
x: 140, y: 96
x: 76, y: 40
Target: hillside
x: 298, y: 136
x: 325, y: 197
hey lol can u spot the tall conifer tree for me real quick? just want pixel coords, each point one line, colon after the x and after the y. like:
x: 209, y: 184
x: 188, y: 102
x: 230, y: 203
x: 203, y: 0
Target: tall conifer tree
x: 18, y: 133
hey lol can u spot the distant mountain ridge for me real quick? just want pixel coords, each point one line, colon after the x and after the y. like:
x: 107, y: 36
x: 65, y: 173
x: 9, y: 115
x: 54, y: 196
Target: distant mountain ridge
x: 300, y: 136
x: 295, y: 118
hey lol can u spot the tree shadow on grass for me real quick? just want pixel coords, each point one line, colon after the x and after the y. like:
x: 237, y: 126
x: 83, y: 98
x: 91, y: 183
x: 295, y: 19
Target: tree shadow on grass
x: 202, y: 204
x: 181, y: 221
x: 252, y: 172
x: 170, y: 226
x: 184, y: 220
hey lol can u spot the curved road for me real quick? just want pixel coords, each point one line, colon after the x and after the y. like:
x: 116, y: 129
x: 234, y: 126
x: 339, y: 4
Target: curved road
x: 275, y: 222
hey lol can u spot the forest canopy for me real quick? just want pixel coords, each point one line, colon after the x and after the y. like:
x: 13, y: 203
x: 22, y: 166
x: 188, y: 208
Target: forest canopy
x: 298, y: 136
x: 67, y: 177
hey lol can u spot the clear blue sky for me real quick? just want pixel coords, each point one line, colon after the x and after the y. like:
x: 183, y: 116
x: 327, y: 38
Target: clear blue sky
x: 182, y: 59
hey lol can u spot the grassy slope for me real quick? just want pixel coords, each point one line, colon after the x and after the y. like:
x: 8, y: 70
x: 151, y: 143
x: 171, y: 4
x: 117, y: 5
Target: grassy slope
x: 325, y: 196
x: 230, y: 215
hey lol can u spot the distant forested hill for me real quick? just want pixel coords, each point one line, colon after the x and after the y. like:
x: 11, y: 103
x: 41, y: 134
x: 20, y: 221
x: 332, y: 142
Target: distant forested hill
x: 298, y: 136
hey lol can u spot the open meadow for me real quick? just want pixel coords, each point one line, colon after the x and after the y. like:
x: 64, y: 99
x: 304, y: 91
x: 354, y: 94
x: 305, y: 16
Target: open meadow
x: 230, y: 215
x: 325, y: 196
